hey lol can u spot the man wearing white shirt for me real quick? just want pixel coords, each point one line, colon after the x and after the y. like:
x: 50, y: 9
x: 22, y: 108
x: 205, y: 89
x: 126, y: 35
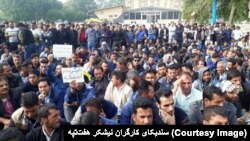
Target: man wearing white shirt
x: 11, y: 33
x: 184, y: 93
x: 118, y: 91
x: 237, y: 34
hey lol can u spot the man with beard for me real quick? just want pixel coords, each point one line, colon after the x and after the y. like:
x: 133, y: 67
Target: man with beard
x: 232, y: 95
x: 204, y: 79
x: 51, y: 129
x: 100, y: 82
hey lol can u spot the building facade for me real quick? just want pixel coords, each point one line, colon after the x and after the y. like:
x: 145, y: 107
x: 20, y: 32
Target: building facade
x: 143, y: 11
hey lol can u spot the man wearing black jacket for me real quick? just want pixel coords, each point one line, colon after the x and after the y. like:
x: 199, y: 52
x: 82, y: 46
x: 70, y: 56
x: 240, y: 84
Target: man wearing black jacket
x: 50, y: 129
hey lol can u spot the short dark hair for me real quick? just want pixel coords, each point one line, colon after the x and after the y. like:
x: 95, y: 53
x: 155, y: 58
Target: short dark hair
x: 233, y: 73
x: 62, y: 64
x: 29, y: 99
x: 89, y: 118
x: 119, y: 75
x: 143, y: 87
x: 11, y: 134
x: 3, y: 78
x: 35, y: 72
x: 26, y: 63
x: 17, y: 56
x: 94, y: 102
x: 239, y: 61
x: 34, y: 55
x: 162, y: 92
x: 2, y: 65
x: 171, y: 67
x: 210, y: 91
x: 44, y: 110
x: 232, y: 60
x: 44, y: 79
x: 44, y: 61
x: 98, y: 68
x: 142, y: 102
x: 188, y: 65
x: 150, y: 71
x: 162, y: 64
x: 214, y: 110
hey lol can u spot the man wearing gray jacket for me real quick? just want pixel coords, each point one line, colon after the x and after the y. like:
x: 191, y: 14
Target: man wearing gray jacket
x: 211, y: 96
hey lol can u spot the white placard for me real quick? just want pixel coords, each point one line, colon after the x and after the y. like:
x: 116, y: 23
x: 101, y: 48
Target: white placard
x: 62, y: 50
x: 70, y: 74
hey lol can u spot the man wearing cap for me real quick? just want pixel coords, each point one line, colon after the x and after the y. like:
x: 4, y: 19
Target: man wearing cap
x: 232, y: 95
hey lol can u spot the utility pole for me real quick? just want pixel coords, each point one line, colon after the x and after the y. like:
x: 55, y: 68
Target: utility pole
x: 214, y: 12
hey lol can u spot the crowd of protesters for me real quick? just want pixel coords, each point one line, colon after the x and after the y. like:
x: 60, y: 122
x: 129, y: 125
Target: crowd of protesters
x: 166, y: 74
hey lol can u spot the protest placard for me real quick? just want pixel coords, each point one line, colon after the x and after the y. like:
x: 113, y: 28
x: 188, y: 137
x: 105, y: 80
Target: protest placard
x: 70, y: 74
x: 62, y: 50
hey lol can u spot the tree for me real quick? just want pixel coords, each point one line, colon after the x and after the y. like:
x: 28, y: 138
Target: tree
x: 108, y: 3
x: 79, y: 8
x: 27, y: 9
x: 201, y: 7
x: 229, y: 10
x: 233, y: 10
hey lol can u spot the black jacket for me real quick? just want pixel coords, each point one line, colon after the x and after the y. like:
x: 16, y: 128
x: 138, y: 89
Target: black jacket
x: 38, y: 135
x: 15, y: 99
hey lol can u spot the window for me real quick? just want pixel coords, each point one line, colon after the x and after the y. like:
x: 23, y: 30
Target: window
x: 164, y: 15
x: 144, y: 15
x: 176, y: 15
x: 138, y: 16
x: 170, y: 15
x: 126, y: 16
x: 132, y: 16
x: 115, y: 15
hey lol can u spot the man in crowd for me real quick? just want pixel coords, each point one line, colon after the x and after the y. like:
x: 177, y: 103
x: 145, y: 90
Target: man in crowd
x: 25, y: 118
x: 142, y: 111
x: 51, y: 127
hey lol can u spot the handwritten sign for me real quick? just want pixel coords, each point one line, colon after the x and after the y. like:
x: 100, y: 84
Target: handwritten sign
x: 70, y: 74
x: 62, y: 50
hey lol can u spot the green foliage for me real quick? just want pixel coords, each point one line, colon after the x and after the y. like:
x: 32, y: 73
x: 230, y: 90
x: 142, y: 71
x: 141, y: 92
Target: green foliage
x: 109, y: 3
x: 203, y: 9
x: 28, y: 10
x: 241, y: 12
x: 78, y: 9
